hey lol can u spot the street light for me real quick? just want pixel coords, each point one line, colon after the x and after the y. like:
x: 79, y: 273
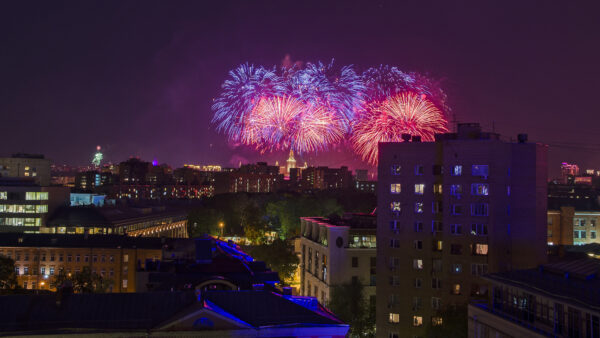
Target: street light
x: 221, y: 226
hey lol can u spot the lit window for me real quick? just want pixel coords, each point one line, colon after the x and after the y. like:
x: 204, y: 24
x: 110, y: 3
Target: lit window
x: 419, y: 207
x: 437, y: 245
x: 395, y: 207
x: 437, y: 188
x: 418, y: 264
x: 3, y: 195
x: 436, y: 321
x: 456, y: 289
x: 456, y: 190
x: 419, y: 189
x: 479, y: 209
x: 394, y: 318
x: 456, y: 268
x: 456, y: 170
x: 480, y: 249
x: 417, y: 321
x: 395, y: 188
x: 480, y: 170
x: 396, y: 169
x: 479, y: 189
x: 419, y: 170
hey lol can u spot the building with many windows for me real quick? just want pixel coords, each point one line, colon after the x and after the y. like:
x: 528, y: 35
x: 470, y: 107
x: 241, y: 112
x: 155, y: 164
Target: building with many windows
x: 337, y: 251
x: 572, y: 226
x: 556, y: 300
x: 448, y: 212
x: 25, y: 206
x: 39, y: 257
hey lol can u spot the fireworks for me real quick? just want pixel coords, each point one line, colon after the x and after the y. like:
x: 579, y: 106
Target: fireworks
x: 310, y: 108
x: 386, y: 121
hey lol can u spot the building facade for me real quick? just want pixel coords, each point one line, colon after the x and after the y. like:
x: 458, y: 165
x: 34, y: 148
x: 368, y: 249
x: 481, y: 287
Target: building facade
x: 26, y: 166
x: 39, y: 257
x: 448, y: 212
x: 568, y: 226
x: 556, y: 300
x: 335, y: 252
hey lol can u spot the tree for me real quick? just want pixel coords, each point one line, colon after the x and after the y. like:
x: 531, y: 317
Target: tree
x: 204, y: 221
x: 253, y: 224
x: 84, y: 281
x: 348, y: 302
x: 279, y: 256
x: 8, y: 276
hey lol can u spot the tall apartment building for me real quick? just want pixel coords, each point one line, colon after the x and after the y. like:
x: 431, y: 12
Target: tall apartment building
x: 26, y: 166
x: 335, y: 252
x: 449, y: 211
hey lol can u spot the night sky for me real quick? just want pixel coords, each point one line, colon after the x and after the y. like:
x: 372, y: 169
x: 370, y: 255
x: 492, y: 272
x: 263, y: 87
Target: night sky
x: 138, y: 78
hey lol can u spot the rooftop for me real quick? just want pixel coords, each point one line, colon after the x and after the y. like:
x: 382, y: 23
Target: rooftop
x: 110, y: 216
x: 354, y: 220
x: 77, y: 241
x: 573, y: 281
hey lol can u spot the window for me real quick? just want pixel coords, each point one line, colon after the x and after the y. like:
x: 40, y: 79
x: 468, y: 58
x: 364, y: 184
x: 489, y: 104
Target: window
x: 456, y: 170
x: 479, y: 269
x: 579, y: 234
x: 456, y: 209
x: 393, y: 335
x: 456, y: 229
x: 77, y: 258
x: 417, y: 303
x: 112, y: 258
x: 456, y: 249
x: 436, y: 283
x: 418, y: 226
x: 436, y: 303
x: 456, y: 289
x: 419, y: 170
x: 43, y: 270
x: 419, y: 189
x: 51, y: 270
x: 418, y: 264
x: 394, y: 318
x: 17, y: 270
x: 25, y: 270
x: 437, y: 188
x: 456, y: 268
x: 395, y: 280
x: 437, y: 226
x: 86, y: 258
x: 103, y: 259
x: 479, y: 229
x: 418, y: 283
x: 437, y: 207
x: 593, y: 234
x: 418, y: 245
x: 124, y: 283
x: 480, y: 170
x: 36, y: 196
x: 61, y: 257
x: 395, y: 188
x: 479, y: 209
x: 479, y: 249
x: 354, y: 282
x: 52, y: 257
x: 125, y: 258
x: 417, y: 321
x: 437, y: 265
x: 394, y: 243
x: 419, y: 207
x: 396, y: 169
x: 355, y: 262
x: 438, y: 169
x: 436, y: 321
x: 592, y: 222
x: 395, y: 207
x: 69, y: 258
x: 394, y: 227
x: 437, y: 245
x: 479, y: 189
x: 456, y: 190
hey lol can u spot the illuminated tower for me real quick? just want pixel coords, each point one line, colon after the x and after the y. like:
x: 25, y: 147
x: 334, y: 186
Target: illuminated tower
x: 97, y: 157
x: 291, y: 162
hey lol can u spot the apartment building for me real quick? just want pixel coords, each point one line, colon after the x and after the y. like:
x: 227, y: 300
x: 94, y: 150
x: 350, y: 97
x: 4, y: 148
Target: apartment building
x: 33, y: 166
x: 556, y: 300
x: 569, y: 225
x: 39, y: 257
x: 337, y: 251
x: 448, y: 212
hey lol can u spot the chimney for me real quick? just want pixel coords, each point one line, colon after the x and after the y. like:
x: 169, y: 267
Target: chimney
x: 406, y: 137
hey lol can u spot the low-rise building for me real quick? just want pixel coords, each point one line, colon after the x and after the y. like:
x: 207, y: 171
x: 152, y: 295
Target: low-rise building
x: 556, y: 300
x: 21, y: 165
x: 39, y: 257
x: 569, y: 225
x: 337, y: 251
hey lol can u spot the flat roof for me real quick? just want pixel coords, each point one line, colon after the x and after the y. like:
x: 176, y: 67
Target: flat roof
x: 78, y: 241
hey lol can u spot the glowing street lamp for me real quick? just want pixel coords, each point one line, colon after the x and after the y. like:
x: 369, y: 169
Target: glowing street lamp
x: 221, y: 226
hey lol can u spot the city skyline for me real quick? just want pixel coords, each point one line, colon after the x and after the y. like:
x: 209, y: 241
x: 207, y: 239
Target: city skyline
x: 140, y: 81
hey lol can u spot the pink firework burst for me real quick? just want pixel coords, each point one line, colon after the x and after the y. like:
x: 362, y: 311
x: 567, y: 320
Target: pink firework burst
x: 386, y: 121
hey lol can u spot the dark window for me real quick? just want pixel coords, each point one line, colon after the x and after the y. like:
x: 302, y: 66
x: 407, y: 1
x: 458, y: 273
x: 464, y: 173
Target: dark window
x: 456, y: 249
x: 355, y: 262
x: 438, y: 170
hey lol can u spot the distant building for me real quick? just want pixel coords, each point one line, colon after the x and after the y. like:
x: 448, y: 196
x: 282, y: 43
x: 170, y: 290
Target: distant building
x: 25, y: 206
x: 131, y: 221
x: 366, y: 186
x: 362, y: 174
x: 290, y: 163
x: 556, y: 300
x: 335, y: 252
x: 448, y: 212
x: 170, y: 314
x: 571, y: 226
x: 133, y: 171
x: 79, y: 199
x: 39, y: 257
x: 27, y: 166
